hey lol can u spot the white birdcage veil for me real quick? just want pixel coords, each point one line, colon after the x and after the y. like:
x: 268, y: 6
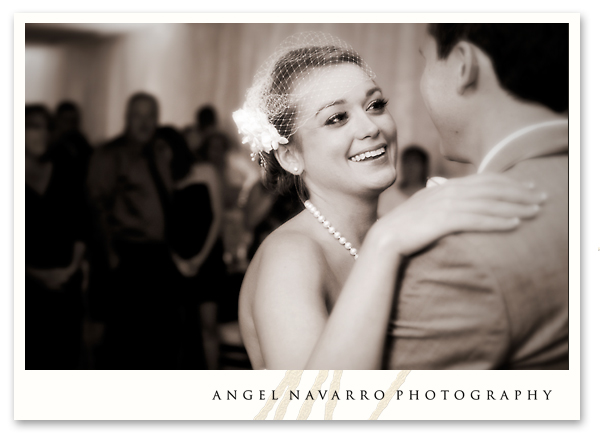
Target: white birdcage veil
x: 275, y: 105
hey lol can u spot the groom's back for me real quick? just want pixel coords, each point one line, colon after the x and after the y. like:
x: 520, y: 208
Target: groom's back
x: 532, y: 265
x: 491, y: 300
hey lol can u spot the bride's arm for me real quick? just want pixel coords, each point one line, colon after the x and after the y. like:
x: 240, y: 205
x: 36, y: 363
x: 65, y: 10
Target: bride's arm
x: 294, y: 327
x: 289, y: 310
x: 354, y: 334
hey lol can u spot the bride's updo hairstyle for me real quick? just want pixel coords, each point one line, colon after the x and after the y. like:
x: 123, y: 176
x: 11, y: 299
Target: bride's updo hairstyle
x: 279, y: 95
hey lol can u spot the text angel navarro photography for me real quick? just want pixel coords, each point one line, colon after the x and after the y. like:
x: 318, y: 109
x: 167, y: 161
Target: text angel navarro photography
x: 378, y: 395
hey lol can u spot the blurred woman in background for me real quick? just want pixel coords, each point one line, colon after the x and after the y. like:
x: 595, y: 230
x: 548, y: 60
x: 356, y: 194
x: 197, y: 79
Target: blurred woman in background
x: 414, y: 171
x: 54, y: 256
x: 193, y: 232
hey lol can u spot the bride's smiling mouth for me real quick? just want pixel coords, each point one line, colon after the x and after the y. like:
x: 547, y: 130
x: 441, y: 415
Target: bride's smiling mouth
x: 369, y: 155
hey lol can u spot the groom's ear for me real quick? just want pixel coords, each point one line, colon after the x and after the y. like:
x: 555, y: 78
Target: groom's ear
x: 289, y: 159
x: 468, y: 66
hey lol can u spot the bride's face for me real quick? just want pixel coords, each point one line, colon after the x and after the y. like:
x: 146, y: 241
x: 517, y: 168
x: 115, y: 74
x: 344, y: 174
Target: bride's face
x: 349, y: 141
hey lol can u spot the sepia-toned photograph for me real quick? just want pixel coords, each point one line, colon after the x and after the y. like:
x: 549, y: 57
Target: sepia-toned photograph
x: 305, y: 196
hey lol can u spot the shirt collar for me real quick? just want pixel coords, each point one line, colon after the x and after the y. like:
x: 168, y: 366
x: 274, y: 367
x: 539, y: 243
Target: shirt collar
x: 545, y: 138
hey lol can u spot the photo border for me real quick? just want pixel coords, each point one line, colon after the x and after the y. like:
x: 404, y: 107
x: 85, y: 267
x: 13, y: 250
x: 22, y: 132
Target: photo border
x: 183, y: 395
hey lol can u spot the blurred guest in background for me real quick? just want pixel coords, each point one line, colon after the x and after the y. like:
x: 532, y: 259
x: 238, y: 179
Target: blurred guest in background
x: 265, y: 211
x: 414, y: 168
x: 192, y: 138
x: 68, y: 140
x: 193, y: 233
x: 213, y: 150
x: 237, y: 177
x: 55, y: 231
x: 213, y: 159
x: 214, y: 146
x: 129, y: 185
x: 206, y: 122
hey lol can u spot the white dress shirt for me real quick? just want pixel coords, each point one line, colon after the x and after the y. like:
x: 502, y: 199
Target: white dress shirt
x: 544, y: 138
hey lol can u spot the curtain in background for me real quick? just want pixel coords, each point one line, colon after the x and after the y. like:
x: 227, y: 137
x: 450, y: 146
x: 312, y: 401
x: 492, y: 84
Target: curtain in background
x: 187, y: 65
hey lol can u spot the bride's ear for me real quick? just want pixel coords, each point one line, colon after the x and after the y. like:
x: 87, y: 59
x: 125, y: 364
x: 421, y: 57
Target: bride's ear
x: 468, y: 66
x: 289, y: 159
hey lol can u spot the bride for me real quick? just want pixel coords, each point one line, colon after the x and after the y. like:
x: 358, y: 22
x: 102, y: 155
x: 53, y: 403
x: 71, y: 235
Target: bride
x: 317, y: 123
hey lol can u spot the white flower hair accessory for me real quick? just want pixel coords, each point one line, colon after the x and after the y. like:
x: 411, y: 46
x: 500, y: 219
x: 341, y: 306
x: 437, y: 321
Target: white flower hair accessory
x: 261, y: 135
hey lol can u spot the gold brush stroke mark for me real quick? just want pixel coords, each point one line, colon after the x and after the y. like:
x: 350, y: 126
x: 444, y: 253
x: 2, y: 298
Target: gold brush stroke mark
x: 389, y: 394
x: 291, y: 380
x: 292, y: 385
x: 308, y: 403
x: 334, y: 387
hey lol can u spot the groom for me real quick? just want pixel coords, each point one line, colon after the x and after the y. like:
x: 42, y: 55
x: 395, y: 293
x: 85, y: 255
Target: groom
x: 498, y: 95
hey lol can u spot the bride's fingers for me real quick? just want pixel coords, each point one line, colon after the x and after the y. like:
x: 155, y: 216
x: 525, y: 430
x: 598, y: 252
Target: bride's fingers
x: 500, y: 179
x: 493, y: 180
x: 471, y: 222
x: 509, y: 193
x: 499, y: 208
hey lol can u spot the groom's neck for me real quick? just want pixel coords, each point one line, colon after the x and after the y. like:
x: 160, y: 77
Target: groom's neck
x: 494, y: 121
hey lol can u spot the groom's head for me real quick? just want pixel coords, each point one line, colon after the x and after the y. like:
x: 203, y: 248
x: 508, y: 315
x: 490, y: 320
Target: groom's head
x: 475, y: 72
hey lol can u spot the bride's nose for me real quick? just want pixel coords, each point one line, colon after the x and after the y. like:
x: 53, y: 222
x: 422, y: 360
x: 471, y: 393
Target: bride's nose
x: 365, y: 126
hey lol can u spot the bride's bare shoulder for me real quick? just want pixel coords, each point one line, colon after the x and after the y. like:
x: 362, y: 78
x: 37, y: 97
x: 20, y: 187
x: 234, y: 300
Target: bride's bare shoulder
x: 292, y: 243
x: 289, y: 252
x: 289, y: 271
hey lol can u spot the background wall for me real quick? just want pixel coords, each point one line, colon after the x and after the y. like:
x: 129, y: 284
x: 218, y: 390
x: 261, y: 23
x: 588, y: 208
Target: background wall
x: 187, y: 65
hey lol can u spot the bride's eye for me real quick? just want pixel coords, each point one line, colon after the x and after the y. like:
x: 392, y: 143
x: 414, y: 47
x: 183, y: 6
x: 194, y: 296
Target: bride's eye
x: 336, y: 119
x: 378, y: 104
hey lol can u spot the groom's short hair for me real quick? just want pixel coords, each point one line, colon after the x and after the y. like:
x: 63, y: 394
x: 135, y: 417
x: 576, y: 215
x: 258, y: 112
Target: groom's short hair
x: 531, y: 60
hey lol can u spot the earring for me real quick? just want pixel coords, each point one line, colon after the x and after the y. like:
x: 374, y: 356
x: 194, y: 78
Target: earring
x: 296, y: 169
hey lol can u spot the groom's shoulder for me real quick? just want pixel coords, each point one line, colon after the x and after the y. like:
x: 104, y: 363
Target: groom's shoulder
x: 489, y: 300
x: 508, y: 259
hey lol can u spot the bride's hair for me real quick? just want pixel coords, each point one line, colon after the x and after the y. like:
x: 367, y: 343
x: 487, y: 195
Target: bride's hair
x: 275, y: 104
x: 286, y: 72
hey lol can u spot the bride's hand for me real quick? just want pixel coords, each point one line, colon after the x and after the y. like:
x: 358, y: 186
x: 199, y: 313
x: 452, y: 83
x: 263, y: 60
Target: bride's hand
x: 478, y: 203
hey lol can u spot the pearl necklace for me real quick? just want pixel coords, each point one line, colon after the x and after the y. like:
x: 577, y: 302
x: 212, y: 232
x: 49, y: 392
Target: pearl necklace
x: 337, y: 235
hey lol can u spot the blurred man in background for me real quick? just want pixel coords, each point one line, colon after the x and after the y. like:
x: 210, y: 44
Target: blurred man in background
x: 68, y: 138
x: 129, y: 184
